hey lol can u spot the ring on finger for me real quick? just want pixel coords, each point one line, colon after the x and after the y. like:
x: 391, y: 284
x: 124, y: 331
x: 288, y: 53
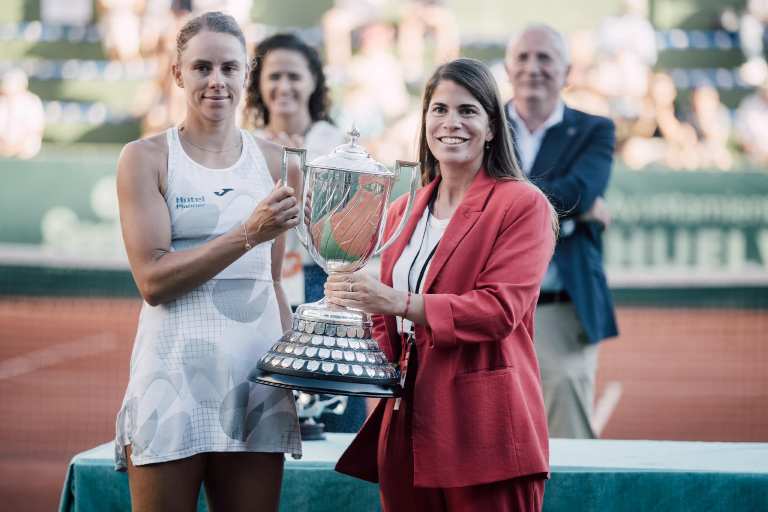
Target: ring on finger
x: 351, y: 287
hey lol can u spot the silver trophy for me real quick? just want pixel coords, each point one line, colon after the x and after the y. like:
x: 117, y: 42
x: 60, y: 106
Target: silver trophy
x: 341, y: 223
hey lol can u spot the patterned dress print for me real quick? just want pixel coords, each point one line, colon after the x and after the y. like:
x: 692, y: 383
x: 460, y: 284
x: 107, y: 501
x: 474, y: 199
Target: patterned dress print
x: 188, y: 390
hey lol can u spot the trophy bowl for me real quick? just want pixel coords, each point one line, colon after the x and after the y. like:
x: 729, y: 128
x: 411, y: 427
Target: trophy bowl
x: 329, y: 348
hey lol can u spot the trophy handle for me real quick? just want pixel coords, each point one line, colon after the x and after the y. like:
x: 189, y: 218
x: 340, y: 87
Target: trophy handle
x: 301, y: 228
x: 415, y: 175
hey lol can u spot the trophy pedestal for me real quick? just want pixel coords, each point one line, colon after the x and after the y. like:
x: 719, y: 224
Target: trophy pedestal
x: 329, y: 350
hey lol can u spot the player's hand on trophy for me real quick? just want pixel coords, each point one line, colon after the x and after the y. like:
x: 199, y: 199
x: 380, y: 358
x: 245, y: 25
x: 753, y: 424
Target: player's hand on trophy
x: 362, y: 291
x: 277, y: 213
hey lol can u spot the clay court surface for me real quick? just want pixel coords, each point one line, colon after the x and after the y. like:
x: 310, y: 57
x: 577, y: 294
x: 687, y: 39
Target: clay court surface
x: 683, y: 374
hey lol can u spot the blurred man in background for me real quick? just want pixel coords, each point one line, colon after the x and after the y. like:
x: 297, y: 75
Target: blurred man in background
x: 568, y: 154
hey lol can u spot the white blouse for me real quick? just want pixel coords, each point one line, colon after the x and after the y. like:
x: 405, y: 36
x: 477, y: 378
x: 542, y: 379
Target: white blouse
x: 410, y: 270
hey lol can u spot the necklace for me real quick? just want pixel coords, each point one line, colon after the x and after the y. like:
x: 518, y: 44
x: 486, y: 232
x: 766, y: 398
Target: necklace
x: 238, y: 147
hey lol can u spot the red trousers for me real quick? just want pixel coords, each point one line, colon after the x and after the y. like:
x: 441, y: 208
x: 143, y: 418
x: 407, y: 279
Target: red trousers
x: 398, y: 494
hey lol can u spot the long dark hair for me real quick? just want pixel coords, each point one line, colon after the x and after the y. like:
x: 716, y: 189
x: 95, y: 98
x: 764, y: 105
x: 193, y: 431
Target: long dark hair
x: 319, y: 101
x: 499, y: 158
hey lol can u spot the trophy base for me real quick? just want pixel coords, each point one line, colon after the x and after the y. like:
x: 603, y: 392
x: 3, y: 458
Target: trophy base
x: 318, y: 386
x: 329, y: 350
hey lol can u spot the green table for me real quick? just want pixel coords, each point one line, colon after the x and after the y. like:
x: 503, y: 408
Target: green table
x: 586, y: 476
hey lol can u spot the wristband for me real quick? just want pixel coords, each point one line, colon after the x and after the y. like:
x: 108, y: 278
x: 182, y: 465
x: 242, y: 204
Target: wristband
x: 407, y: 305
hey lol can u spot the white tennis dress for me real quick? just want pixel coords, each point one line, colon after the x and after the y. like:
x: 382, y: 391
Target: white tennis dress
x: 188, y: 390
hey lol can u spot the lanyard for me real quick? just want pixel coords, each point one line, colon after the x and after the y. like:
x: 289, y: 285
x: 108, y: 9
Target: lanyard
x: 418, y: 253
x: 409, y: 340
x: 423, y: 270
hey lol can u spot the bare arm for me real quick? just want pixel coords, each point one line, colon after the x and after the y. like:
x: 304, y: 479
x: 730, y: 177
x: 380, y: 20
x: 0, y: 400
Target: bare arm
x: 162, y: 275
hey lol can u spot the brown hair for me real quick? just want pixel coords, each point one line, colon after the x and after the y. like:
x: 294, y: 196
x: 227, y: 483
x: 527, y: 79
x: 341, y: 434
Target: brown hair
x: 499, y: 158
x: 213, y: 21
x: 256, y: 111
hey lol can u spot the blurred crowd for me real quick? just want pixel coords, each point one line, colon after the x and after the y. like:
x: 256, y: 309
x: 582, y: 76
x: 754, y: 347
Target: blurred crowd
x: 613, y: 74
x: 376, y: 49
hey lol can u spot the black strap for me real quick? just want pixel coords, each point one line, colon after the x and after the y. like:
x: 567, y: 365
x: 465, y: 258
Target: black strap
x: 424, y: 268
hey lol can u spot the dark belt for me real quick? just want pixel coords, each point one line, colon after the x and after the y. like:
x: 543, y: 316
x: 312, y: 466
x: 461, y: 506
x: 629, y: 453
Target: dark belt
x: 554, y: 297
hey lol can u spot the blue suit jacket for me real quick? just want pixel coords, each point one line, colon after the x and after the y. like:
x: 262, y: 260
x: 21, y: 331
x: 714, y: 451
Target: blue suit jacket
x: 572, y: 168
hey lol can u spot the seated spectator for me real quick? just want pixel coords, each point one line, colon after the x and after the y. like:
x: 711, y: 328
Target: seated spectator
x: 22, y: 118
x: 752, y: 41
x: 120, y: 25
x: 626, y: 49
x: 750, y: 124
x: 581, y: 92
x: 712, y: 123
x: 160, y: 103
x: 157, y: 20
x: 419, y: 18
x: 338, y: 23
x: 677, y: 145
x: 375, y: 92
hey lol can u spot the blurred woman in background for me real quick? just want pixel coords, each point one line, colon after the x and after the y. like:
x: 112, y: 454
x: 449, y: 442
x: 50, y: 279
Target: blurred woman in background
x: 287, y: 99
x: 288, y: 103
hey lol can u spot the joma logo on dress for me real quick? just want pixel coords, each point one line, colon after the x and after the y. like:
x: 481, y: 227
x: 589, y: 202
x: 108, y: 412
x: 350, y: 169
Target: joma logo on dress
x: 183, y: 202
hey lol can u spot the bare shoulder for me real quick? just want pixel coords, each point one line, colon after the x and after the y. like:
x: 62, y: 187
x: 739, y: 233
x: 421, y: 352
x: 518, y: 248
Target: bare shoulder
x: 145, y: 158
x: 152, y: 149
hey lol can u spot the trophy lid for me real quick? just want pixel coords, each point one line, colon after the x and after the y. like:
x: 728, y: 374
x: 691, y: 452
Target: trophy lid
x: 351, y: 157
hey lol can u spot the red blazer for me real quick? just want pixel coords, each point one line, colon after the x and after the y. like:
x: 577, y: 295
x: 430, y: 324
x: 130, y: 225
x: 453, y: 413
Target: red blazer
x: 478, y: 412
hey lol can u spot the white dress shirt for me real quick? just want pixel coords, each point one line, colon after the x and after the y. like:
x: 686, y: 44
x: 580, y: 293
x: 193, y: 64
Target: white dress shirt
x: 528, y: 145
x: 416, y: 259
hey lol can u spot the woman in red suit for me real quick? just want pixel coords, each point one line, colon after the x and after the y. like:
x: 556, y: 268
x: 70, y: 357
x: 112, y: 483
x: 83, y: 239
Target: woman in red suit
x: 455, y: 309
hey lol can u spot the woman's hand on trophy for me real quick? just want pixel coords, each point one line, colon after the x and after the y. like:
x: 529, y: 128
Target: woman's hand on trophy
x: 361, y: 291
x: 277, y: 213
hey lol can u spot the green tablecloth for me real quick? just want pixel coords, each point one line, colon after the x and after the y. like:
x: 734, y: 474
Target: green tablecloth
x: 608, y: 475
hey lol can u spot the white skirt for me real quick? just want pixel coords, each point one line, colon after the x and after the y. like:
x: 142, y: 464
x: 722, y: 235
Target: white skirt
x: 188, y: 391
